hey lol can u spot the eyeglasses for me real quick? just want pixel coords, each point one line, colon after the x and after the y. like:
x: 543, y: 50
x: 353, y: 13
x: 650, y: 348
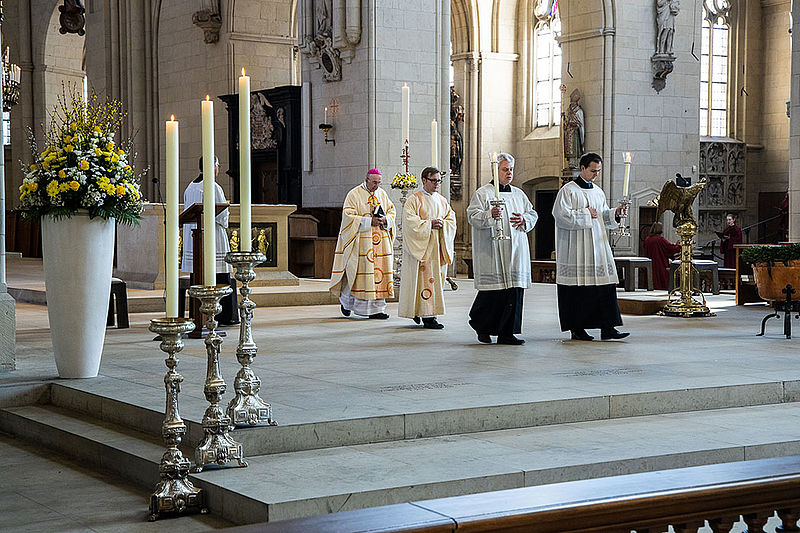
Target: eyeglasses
x: 433, y: 180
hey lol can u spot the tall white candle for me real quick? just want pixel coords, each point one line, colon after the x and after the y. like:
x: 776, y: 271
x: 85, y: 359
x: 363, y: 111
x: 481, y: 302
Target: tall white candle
x: 495, y: 176
x: 405, y: 116
x: 434, y: 144
x: 627, y: 174
x: 326, y: 116
x: 172, y: 217
x: 209, y: 240
x: 244, y: 164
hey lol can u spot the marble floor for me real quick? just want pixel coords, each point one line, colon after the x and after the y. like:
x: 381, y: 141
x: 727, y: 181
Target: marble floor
x: 317, y: 366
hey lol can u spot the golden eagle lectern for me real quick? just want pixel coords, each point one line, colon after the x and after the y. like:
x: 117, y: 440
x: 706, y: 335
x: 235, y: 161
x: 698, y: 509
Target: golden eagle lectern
x: 679, y: 200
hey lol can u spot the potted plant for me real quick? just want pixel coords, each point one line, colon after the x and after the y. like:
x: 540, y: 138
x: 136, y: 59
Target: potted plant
x: 80, y: 185
x: 774, y: 267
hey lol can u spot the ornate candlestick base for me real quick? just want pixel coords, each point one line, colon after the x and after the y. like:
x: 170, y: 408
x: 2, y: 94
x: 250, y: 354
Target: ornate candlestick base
x: 217, y: 446
x: 624, y: 229
x: 247, y: 408
x: 500, y: 234
x: 174, y: 494
x: 681, y: 301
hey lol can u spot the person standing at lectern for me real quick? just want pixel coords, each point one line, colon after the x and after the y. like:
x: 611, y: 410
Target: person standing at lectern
x: 194, y: 195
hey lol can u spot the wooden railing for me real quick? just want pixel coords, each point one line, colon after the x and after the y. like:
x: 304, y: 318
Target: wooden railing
x: 646, y: 503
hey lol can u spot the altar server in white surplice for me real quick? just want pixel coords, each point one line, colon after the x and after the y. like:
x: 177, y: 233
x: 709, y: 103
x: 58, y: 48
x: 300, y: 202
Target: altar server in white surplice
x: 429, y: 230
x: 502, y: 268
x: 586, y: 275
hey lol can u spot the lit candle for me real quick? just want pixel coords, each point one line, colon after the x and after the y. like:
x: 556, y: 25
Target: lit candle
x: 326, y: 116
x: 244, y: 164
x: 627, y: 174
x: 405, y: 117
x: 172, y: 218
x: 434, y: 143
x: 495, y: 177
x: 209, y: 240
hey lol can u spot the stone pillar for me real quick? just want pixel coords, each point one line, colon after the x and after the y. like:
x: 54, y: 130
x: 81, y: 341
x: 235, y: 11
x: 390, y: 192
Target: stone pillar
x: 7, y: 311
x: 794, y: 131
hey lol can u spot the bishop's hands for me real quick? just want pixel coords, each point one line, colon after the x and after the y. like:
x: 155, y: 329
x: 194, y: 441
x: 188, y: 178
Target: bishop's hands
x: 437, y: 223
x: 379, y: 221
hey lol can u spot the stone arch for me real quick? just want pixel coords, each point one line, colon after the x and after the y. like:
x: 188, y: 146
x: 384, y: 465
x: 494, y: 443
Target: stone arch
x: 58, y: 58
x: 464, y: 30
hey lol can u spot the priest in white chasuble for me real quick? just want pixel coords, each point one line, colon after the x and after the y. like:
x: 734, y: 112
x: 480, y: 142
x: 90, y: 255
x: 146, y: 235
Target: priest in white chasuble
x: 586, y: 275
x: 363, y: 263
x: 502, y: 267
x: 429, y: 231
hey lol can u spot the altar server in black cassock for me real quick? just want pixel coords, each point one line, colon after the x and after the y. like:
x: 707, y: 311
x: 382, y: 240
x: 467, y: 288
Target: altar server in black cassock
x: 586, y: 275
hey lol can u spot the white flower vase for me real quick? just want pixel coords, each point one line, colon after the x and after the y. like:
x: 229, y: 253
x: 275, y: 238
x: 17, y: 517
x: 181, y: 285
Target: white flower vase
x: 78, y: 259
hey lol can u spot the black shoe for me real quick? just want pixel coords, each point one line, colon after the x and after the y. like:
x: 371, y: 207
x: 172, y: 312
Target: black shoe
x: 484, y: 338
x: 512, y: 340
x: 431, y: 323
x: 581, y: 335
x: 379, y: 316
x: 416, y: 320
x: 345, y: 312
x: 613, y: 334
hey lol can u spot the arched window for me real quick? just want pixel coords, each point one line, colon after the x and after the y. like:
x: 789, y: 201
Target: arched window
x: 547, y: 64
x: 714, y: 68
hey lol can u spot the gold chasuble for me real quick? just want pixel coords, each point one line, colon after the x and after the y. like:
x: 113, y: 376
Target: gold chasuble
x: 363, y: 259
x: 426, y: 254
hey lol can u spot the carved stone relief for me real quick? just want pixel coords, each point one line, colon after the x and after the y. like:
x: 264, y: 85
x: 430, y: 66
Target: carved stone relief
x: 722, y: 163
x: 265, y: 124
x: 329, y: 33
x: 209, y: 19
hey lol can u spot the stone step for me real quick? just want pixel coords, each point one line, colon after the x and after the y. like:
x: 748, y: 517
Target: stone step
x: 108, y: 401
x: 289, y: 485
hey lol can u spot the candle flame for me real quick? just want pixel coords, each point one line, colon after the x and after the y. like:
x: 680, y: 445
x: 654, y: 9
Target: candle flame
x: 494, y: 157
x: 326, y: 109
x: 208, y: 98
x: 627, y: 157
x: 172, y: 117
x: 242, y: 71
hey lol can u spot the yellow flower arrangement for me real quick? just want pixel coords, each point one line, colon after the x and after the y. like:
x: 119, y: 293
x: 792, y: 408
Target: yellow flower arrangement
x: 82, y: 167
x: 404, y: 181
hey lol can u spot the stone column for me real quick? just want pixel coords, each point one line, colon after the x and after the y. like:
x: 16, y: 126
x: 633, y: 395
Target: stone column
x: 794, y: 130
x: 7, y: 312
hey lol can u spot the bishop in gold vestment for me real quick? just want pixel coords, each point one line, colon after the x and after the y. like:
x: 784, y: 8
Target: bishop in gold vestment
x: 363, y: 263
x: 429, y: 230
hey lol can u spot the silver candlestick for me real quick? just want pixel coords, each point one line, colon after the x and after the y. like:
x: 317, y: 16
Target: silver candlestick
x: 500, y: 234
x: 247, y: 408
x: 174, y: 494
x: 217, y: 447
x: 624, y: 230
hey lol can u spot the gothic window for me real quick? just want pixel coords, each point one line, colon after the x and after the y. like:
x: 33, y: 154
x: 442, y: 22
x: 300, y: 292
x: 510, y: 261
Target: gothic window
x: 547, y: 64
x: 714, y: 61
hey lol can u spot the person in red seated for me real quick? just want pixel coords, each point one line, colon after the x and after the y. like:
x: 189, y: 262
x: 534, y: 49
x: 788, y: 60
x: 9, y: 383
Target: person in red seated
x: 730, y: 236
x: 660, y: 251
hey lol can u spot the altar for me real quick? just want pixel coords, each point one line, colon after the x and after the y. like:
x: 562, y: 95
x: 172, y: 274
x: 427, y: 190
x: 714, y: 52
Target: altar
x: 140, y: 256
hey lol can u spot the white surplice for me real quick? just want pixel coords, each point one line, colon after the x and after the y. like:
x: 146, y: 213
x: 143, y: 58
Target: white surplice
x: 583, y: 251
x: 507, y: 263
x: 427, y: 253
x: 194, y: 195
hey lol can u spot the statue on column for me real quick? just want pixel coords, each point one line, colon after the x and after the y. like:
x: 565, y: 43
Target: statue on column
x: 456, y: 144
x: 323, y: 18
x: 666, y: 11
x: 574, y: 130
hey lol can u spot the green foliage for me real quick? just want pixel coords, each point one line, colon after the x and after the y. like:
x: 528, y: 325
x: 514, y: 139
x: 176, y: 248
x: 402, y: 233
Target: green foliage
x: 771, y: 254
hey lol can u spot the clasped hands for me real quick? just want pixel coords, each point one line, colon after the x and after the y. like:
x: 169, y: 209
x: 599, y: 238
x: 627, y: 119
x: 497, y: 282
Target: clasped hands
x: 379, y: 221
x: 517, y: 222
x: 437, y: 223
